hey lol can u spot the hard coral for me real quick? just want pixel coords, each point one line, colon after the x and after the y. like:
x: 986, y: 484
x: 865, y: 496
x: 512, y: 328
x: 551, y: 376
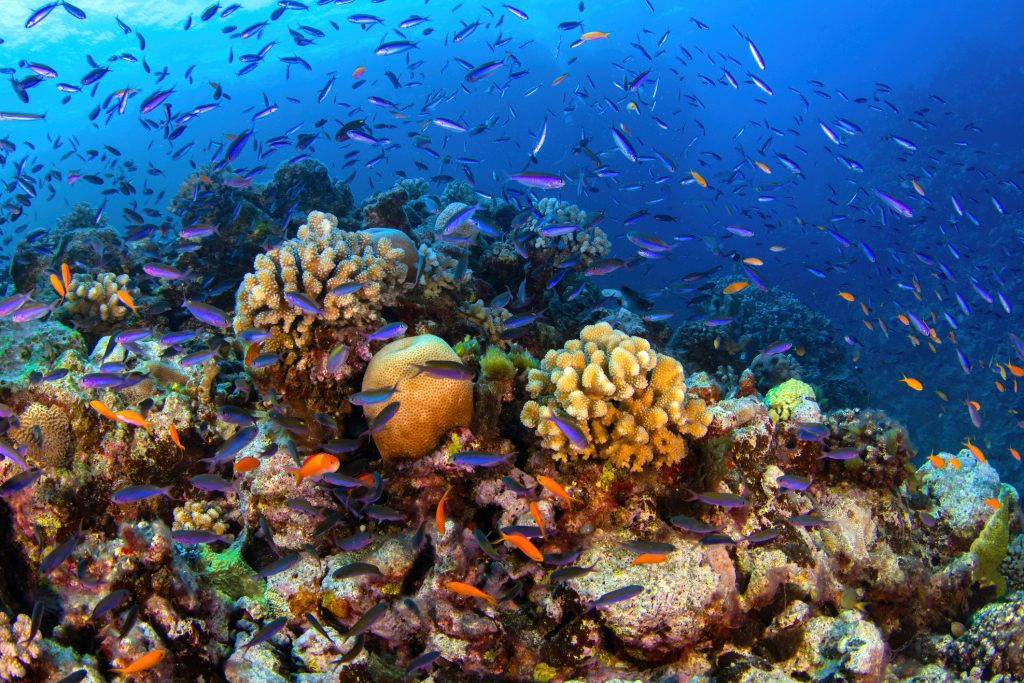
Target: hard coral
x: 785, y: 399
x: 318, y: 259
x: 629, y: 400
x: 429, y: 405
x: 16, y: 655
x: 95, y: 298
x: 47, y: 434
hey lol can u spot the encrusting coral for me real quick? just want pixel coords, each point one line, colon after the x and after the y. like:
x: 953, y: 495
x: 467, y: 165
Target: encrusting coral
x: 628, y: 399
x: 429, y: 405
x: 784, y: 399
x: 318, y: 259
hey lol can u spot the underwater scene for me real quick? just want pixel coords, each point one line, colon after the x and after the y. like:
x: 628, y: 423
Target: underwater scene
x: 418, y: 340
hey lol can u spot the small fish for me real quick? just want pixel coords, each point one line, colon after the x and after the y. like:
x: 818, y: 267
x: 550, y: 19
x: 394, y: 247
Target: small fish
x: 721, y: 499
x: 445, y: 369
x: 369, y: 618
x: 138, y: 492
x: 382, y: 418
x: 59, y: 554
x: 615, y: 596
x: 422, y: 662
x: 19, y: 482
x: 793, y: 482
x: 470, y: 591
x: 354, y: 569
x: 372, y: 396
x: 840, y: 454
x: 439, y: 513
x: 143, y: 663
x: 479, y: 459
x: 267, y: 632
x: 196, y: 537
x: 389, y: 331
x: 913, y: 383
x: 568, y: 574
x: 303, y: 302
x: 279, y: 565
x: 524, y: 544
x: 570, y: 429
x: 555, y: 488
x: 110, y: 602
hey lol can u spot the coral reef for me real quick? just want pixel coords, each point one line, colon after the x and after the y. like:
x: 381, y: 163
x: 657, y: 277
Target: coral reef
x: 629, y: 400
x: 46, y: 433
x: 317, y: 260
x: 430, y: 404
x: 93, y: 301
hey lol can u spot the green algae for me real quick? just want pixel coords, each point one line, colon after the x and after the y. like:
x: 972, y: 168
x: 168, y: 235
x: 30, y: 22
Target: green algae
x: 496, y: 365
x: 229, y: 573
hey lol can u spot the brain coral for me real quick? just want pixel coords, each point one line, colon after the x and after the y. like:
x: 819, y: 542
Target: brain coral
x: 46, y: 432
x: 430, y: 406
x: 629, y: 400
x: 316, y: 260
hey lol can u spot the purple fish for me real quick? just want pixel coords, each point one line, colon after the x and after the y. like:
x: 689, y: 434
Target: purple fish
x: 303, y: 302
x: 389, y: 331
x: 267, y: 632
x: 570, y: 429
x: 346, y: 288
x: 196, y: 537
x: 29, y: 312
x: 840, y: 454
x: 19, y: 482
x: 264, y: 360
x: 208, y: 314
x: 12, y: 304
x: 175, y: 338
x: 445, y: 369
x: 793, y: 482
x: 896, y: 205
x: 196, y: 357
x: 212, y: 482
x: 371, y: 396
x: 694, y: 526
x: 382, y: 418
x: 136, y: 492
x: 721, y: 499
x: 355, y: 541
x: 160, y: 270
x: 336, y: 358
x: 479, y: 459
x: 279, y: 565
x: 15, y: 455
x: 617, y: 595
x: 536, y: 179
x: 155, y: 100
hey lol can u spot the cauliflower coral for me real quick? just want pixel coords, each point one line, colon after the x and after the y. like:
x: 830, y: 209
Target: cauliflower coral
x: 628, y: 400
x: 318, y: 259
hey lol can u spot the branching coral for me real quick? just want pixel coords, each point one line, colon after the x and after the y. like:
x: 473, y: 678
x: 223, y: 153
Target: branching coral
x: 208, y: 515
x: 438, y: 278
x: 96, y: 297
x: 16, y: 655
x: 629, y: 400
x: 589, y: 245
x: 490, y: 320
x: 46, y: 432
x: 317, y: 260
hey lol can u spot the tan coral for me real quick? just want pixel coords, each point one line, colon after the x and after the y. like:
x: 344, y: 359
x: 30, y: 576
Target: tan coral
x: 491, y: 320
x: 429, y: 406
x: 399, y: 240
x: 96, y: 297
x: 16, y: 653
x: 318, y: 259
x: 53, y: 443
x: 629, y: 400
x: 208, y: 515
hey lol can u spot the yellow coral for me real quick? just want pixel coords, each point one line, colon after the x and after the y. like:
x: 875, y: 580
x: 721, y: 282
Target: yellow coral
x: 784, y: 398
x: 429, y: 405
x: 318, y: 259
x: 629, y: 400
x: 47, y: 434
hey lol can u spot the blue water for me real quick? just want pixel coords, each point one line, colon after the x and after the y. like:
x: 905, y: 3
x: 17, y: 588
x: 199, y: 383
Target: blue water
x: 944, y: 76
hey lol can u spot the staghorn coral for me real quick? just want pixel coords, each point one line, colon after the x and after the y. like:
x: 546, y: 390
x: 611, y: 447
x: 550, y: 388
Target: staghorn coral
x: 629, y: 400
x: 95, y: 298
x: 316, y: 260
x: 16, y: 655
x: 47, y: 434
x: 429, y: 405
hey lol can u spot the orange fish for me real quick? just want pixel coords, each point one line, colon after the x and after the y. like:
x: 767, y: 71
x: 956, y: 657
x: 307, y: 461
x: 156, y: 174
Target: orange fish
x: 439, y: 515
x: 937, y: 461
x: 525, y: 545
x: 649, y: 558
x: 65, y: 275
x: 126, y: 299
x: 1015, y: 454
x: 847, y: 296
x: 358, y: 71
x: 699, y: 178
x: 61, y: 290
x: 471, y: 591
x: 555, y: 488
x: 914, y: 384
x: 1000, y: 387
x: 917, y: 187
x: 903, y: 319
x: 131, y: 417
x: 753, y: 261
x: 867, y: 324
x: 252, y: 352
x: 764, y: 167
x: 101, y: 408
x: 1017, y: 370
x: 734, y: 287
x: 954, y: 463
x: 173, y: 431
x: 558, y: 79
x: 246, y: 464
x: 315, y: 466
x: 993, y: 503
x: 535, y: 511
x: 975, y: 451
x: 594, y: 35
x: 146, y: 661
